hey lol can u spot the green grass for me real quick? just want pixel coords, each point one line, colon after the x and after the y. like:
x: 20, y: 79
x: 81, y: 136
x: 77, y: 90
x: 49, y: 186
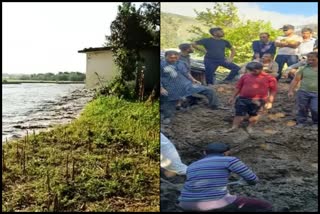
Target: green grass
x: 107, y: 160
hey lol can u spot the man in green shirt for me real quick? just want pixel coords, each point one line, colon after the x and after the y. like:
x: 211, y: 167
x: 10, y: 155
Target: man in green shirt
x: 307, y: 95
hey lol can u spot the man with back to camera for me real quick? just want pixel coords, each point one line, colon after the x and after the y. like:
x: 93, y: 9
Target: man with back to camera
x: 205, y: 188
x: 215, y: 56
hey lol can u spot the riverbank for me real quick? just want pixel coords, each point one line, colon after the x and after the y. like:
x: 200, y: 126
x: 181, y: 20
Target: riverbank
x: 46, y: 114
x: 40, y: 81
x: 106, y: 160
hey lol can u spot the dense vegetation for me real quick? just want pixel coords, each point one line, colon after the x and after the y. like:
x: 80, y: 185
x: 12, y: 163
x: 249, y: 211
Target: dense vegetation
x: 107, y: 160
x: 133, y: 30
x: 61, y: 76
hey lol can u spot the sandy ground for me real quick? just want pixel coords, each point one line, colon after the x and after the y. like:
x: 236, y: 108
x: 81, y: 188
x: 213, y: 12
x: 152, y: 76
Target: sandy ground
x: 283, y: 157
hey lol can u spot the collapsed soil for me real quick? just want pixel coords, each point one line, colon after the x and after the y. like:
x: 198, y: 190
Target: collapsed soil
x: 285, y: 158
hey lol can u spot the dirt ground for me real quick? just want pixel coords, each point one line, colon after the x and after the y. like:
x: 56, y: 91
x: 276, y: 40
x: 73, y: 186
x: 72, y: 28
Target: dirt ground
x: 285, y: 158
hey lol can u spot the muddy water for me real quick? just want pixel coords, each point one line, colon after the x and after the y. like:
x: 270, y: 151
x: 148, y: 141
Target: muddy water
x: 284, y: 158
x: 39, y: 106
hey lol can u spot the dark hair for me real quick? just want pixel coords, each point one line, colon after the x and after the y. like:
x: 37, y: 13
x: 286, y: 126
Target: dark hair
x: 218, y: 147
x: 313, y: 53
x: 169, y: 53
x: 306, y: 29
x: 272, y: 55
x: 251, y: 66
x: 213, y: 30
x: 265, y: 34
x: 184, y: 46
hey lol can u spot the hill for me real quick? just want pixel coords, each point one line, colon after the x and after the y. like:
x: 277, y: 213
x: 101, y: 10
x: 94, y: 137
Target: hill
x: 174, y: 29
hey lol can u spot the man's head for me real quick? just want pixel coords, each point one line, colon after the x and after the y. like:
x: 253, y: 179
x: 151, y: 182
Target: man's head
x: 264, y: 37
x: 216, y: 32
x: 186, y: 48
x: 306, y: 33
x: 288, y: 29
x: 217, y: 148
x: 267, y: 57
x: 171, y: 56
x: 312, y: 58
x: 254, y: 68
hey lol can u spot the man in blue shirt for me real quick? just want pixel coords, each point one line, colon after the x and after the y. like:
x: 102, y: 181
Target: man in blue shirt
x: 215, y: 56
x: 263, y: 46
x: 176, y: 83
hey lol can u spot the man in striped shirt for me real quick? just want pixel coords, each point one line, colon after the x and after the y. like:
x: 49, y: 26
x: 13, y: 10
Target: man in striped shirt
x: 206, y: 186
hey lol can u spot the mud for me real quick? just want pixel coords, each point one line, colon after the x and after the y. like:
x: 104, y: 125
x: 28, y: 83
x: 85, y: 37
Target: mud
x: 285, y: 158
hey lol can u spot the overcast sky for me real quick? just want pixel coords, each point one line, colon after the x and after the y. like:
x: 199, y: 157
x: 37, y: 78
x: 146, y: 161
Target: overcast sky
x: 46, y: 37
x: 277, y: 13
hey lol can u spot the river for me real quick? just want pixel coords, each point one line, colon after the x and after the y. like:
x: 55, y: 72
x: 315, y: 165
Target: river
x: 35, y: 105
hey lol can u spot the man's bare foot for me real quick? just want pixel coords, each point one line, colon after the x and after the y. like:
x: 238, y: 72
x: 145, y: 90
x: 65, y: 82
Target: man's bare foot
x: 249, y: 130
x: 232, y: 129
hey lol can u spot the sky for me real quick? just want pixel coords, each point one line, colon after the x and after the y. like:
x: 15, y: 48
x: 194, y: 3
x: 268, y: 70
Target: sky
x: 277, y: 13
x: 46, y: 37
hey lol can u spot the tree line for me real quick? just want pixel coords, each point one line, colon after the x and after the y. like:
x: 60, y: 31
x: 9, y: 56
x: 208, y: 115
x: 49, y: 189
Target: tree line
x: 61, y: 76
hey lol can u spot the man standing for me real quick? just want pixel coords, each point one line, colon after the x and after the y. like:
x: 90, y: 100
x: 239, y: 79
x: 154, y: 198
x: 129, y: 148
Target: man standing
x: 263, y: 46
x: 176, y: 83
x: 307, y: 95
x: 307, y: 43
x: 288, y: 48
x: 256, y: 90
x: 215, y: 56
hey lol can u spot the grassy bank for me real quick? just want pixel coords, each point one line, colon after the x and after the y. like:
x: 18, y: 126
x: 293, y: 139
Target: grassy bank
x: 107, y: 160
x: 40, y: 81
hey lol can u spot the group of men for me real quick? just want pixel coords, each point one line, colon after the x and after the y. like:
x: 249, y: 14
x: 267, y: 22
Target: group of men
x: 205, y: 188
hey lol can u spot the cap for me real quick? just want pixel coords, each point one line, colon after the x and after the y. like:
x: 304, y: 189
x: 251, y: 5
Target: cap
x: 217, y: 147
x: 287, y: 27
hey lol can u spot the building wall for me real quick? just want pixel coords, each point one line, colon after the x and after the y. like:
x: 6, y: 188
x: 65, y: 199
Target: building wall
x: 102, y: 63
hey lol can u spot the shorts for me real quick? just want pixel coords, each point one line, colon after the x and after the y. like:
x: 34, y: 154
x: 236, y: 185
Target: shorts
x: 246, y: 106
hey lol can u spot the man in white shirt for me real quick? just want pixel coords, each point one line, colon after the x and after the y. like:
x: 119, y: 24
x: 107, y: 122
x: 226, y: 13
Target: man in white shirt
x: 288, y: 48
x: 170, y: 159
x: 307, y: 43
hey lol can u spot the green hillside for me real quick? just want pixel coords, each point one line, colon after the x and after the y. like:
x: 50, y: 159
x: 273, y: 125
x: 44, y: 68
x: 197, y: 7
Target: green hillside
x: 174, y: 29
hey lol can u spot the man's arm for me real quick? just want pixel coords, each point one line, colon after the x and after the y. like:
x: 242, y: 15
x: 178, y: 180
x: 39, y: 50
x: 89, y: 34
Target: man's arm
x: 293, y: 45
x: 255, y: 48
x: 294, y: 84
x: 196, y: 46
x: 238, y: 167
x: 233, y: 53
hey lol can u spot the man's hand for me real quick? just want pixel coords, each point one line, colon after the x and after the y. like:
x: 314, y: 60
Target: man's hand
x: 231, y: 100
x: 194, y: 81
x: 163, y: 91
x: 268, y: 105
x: 290, y: 94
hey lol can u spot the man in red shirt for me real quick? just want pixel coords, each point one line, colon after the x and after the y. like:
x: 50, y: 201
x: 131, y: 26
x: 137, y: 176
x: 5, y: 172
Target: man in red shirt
x: 255, y: 89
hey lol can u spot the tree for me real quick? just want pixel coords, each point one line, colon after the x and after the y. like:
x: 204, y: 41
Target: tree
x: 131, y: 31
x: 238, y: 32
